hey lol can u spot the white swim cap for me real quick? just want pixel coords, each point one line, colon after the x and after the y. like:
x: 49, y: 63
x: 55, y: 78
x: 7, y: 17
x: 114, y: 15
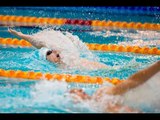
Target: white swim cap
x: 43, y: 52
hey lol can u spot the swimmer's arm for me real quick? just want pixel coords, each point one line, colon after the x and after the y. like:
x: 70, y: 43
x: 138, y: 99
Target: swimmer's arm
x: 100, y: 65
x: 118, y: 108
x: 135, y: 80
x: 79, y: 95
x: 29, y: 38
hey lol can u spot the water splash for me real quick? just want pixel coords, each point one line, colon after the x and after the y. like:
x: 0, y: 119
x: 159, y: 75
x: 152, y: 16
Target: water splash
x: 141, y: 43
x: 145, y: 96
x: 129, y: 34
x: 69, y: 45
x: 56, y: 94
x: 132, y: 37
x: 48, y: 96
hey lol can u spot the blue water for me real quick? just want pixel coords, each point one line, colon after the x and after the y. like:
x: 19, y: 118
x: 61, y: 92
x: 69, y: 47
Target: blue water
x: 25, y: 96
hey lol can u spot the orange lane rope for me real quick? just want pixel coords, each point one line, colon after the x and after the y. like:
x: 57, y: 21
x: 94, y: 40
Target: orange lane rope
x: 29, y: 21
x: 49, y: 76
x: 99, y: 47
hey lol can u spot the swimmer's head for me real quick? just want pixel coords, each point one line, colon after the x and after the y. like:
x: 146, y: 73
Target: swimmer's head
x: 53, y: 56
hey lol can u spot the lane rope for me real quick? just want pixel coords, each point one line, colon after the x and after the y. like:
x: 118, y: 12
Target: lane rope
x: 130, y: 10
x: 99, y: 47
x: 48, y: 76
x: 36, y: 21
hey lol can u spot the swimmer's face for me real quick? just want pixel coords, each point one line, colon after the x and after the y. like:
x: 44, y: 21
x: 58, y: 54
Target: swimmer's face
x: 53, y: 56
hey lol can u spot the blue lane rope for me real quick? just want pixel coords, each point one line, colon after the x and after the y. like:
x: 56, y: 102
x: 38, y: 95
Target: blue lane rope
x: 123, y: 9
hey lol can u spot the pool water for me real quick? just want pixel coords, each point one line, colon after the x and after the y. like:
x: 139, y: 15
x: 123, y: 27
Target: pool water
x: 31, y: 96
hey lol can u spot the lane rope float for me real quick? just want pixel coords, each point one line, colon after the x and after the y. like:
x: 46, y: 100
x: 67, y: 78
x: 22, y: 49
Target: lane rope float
x: 149, y: 10
x: 98, y: 47
x: 28, y: 20
x: 48, y: 76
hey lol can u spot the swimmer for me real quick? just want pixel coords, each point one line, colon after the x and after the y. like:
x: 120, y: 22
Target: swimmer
x: 54, y: 56
x: 132, y: 87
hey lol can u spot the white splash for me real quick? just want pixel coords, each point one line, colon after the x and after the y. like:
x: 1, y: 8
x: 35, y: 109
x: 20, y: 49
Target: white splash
x: 141, y: 43
x: 133, y: 35
x: 70, y: 46
x: 55, y: 93
x: 146, y: 95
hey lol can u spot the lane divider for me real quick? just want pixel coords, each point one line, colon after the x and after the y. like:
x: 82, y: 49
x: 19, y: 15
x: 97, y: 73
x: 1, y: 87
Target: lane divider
x: 28, y: 20
x: 99, y: 47
x: 49, y: 76
x: 121, y: 48
x: 102, y: 10
x: 15, y: 42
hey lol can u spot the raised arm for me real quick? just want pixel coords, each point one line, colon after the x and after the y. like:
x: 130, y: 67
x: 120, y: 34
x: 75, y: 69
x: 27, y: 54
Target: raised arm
x: 29, y: 38
x: 135, y: 79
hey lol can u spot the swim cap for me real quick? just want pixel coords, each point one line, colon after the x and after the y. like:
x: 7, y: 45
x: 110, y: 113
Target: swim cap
x: 43, y: 52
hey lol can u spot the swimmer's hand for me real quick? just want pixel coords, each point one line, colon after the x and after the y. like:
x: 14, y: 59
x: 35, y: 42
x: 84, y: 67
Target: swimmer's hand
x: 118, y: 108
x: 96, y: 96
x: 110, y: 106
x: 101, y: 92
x: 79, y: 95
x: 12, y: 31
x: 9, y: 29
